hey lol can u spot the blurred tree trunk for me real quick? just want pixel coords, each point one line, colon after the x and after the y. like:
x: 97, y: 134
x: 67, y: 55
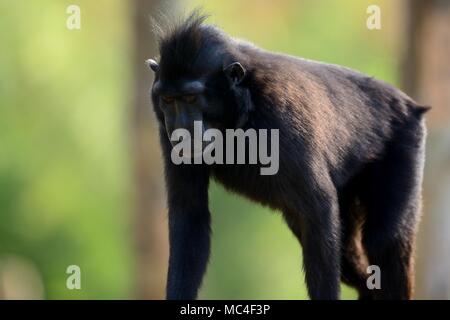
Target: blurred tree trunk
x: 426, y: 77
x: 149, y: 219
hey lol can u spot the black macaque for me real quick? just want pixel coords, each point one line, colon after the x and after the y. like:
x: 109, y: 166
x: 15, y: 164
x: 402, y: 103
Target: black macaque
x: 351, y: 157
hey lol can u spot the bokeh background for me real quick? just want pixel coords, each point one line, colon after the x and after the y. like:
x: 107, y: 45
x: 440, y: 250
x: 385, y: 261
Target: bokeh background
x: 80, y: 166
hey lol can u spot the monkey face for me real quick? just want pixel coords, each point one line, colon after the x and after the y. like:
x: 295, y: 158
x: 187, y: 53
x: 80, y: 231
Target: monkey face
x: 181, y: 103
x: 184, y: 101
x: 186, y: 105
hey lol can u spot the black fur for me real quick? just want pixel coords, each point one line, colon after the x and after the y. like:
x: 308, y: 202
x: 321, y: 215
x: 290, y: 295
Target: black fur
x: 351, y: 162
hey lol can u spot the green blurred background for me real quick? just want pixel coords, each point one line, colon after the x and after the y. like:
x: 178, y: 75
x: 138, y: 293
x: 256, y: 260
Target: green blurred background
x: 80, y: 169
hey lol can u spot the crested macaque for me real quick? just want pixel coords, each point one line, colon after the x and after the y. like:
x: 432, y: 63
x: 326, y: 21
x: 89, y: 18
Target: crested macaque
x: 351, y: 157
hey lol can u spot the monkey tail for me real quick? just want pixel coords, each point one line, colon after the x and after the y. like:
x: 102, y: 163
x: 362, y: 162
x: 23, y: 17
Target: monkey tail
x: 419, y: 110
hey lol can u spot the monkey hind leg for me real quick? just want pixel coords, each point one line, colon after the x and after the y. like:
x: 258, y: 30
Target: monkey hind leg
x: 354, y: 261
x: 392, y: 196
x: 353, y: 272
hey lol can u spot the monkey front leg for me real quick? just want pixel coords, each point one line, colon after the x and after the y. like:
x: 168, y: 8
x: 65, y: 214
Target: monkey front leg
x: 189, y: 236
x: 189, y: 229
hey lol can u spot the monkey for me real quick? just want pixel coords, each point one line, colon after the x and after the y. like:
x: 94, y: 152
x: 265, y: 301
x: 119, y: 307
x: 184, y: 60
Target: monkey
x: 351, y: 159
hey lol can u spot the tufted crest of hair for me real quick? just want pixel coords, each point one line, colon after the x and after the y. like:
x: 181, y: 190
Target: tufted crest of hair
x: 186, y: 47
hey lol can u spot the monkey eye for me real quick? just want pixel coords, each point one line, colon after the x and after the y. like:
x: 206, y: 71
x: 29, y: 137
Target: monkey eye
x: 167, y: 99
x: 189, y: 98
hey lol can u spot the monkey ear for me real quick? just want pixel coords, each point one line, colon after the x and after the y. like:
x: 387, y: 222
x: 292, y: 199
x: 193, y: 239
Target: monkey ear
x: 235, y: 73
x: 152, y: 64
